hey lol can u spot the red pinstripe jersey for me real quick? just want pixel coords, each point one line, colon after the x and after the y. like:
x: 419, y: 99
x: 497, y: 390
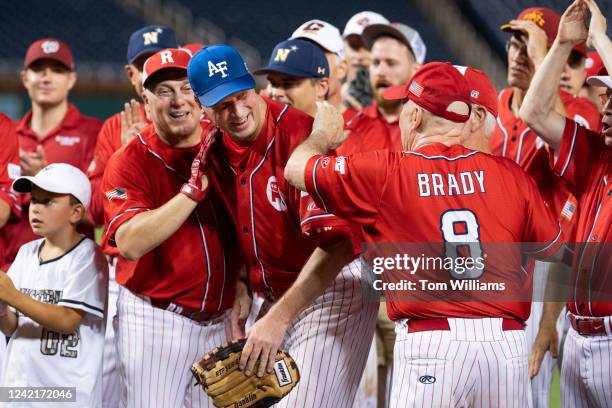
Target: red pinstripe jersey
x: 191, y: 268
x: 512, y: 138
x: 9, y: 170
x: 278, y: 225
x: 422, y: 196
x: 369, y: 131
x: 585, y: 163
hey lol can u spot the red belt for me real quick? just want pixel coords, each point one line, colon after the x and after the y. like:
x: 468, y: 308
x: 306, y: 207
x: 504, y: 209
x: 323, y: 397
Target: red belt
x: 418, y: 325
x: 193, y: 314
x: 588, y: 326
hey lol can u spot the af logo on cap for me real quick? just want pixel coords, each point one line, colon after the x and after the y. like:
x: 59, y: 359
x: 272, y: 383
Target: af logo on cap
x: 218, y: 68
x: 151, y: 36
x: 283, y: 53
x: 50, y: 47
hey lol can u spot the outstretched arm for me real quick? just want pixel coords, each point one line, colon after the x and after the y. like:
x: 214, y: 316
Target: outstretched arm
x: 538, y: 108
x: 598, y: 37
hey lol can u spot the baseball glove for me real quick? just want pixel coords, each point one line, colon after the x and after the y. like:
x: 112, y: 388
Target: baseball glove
x: 220, y: 375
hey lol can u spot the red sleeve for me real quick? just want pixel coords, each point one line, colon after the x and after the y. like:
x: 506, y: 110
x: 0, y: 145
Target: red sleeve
x: 320, y: 226
x: 105, y: 147
x: 585, y: 113
x: 580, y: 148
x: 542, y: 234
x: 126, y: 190
x: 350, y: 186
x: 9, y: 164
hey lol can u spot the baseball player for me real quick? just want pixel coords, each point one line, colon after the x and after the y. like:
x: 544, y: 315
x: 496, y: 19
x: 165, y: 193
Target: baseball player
x: 116, y: 131
x: 396, y: 51
x: 175, y: 270
x: 581, y: 157
x: 533, y: 31
x: 53, y: 130
x: 300, y: 259
x: 298, y: 73
x: 10, y: 205
x: 446, y: 354
x: 56, y: 292
x: 328, y: 37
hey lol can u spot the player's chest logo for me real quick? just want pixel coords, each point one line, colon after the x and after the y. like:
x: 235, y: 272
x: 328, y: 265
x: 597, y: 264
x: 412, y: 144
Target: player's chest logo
x: 68, y: 141
x: 275, y: 195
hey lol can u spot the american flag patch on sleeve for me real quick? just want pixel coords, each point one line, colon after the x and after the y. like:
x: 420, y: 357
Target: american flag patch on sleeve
x: 118, y: 193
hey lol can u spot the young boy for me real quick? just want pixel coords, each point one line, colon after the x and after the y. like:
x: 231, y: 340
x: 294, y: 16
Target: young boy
x: 56, y: 292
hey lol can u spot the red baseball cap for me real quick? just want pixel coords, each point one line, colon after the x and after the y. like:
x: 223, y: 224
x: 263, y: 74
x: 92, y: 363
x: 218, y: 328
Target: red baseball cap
x: 593, y: 64
x: 192, y: 48
x: 482, y: 90
x: 548, y: 20
x: 165, y: 59
x: 49, y: 48
x: 435, y: 86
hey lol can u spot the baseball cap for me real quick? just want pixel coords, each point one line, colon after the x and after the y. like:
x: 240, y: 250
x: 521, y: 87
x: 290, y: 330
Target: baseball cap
x: 60, y: 178
x: 548, y: 20
x: 321, y: 32
x: 297, y: 58
x: 149, y: 40
x: 482, y: 90
x: 216, y: 72
x: 435, y: 86
x: 49, y: 48
x: 192, y: 48
x: 164, y: 59
x: 404, y: 34
x: 593, y: 64
x: 361, y: 20
x: 601, y: 79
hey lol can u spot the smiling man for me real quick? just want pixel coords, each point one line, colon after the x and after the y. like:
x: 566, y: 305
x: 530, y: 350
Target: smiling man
x: 53, y: 131
x: 175, y: 275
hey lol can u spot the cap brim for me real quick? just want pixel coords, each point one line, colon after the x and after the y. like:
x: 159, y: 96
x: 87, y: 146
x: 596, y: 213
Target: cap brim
x: 23, y: 184
x: 159, y: 71
x: 282, y: 69
x: 217, y: 94
x: 372, y: 32
x: 27, y: 64
x: 505, y: 27
x: 600, y: 81
x: 395, y: 92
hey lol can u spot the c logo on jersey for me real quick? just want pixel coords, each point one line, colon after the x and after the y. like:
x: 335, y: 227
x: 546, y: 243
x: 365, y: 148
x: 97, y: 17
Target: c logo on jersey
x: 275, y: 196
x: 427, y: 379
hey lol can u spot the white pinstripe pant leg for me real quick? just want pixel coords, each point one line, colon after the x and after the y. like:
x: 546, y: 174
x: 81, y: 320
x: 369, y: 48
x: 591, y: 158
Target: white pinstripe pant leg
x: 111, y: 386
x: 475, y: 364
x: 156, y: 349
x: 586, y: 372
x: 330, y: 342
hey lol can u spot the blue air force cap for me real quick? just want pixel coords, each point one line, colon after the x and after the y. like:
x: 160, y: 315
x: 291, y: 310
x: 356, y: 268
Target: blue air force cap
x: 297, y: 58
x: 216, y: 72
x: 149, y: 40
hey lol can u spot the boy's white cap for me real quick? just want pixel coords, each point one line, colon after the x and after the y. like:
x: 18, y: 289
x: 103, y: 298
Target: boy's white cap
x: 321, y: 32
x: 361, y: 20
x: 60, y: 178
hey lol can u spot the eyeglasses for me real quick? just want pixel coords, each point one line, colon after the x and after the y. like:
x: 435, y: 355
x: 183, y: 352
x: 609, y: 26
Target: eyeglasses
x: 516, y: 47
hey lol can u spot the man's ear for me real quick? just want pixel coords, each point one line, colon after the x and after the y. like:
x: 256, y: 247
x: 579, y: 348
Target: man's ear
x: 416, y: 117
x: 477, y: 118
x: 322, y: 88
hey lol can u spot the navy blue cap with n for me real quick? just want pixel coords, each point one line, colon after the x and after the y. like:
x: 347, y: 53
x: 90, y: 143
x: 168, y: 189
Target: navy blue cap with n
x: 297, y: 58
x: 216, y: 72
x: 149, y: 40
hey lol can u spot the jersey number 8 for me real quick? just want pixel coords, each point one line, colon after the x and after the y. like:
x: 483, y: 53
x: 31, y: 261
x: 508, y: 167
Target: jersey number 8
x: 461, y: 233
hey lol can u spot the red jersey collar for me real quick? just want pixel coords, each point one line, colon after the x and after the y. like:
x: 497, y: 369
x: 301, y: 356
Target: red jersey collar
x: 372, y: 111
x: 70, y: 121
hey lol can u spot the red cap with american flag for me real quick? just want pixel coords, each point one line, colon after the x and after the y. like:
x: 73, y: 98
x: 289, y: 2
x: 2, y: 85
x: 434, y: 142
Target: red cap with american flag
x: 437, y: 87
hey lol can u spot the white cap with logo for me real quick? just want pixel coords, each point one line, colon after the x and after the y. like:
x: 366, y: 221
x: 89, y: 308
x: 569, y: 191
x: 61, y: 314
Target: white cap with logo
x: 361, y: 20
x: 60, y: 178
x: 324, y: 34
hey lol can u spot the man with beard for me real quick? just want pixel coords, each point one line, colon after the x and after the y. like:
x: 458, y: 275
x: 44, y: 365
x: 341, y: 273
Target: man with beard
x: 397, y: 51
x: 298, y: 73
